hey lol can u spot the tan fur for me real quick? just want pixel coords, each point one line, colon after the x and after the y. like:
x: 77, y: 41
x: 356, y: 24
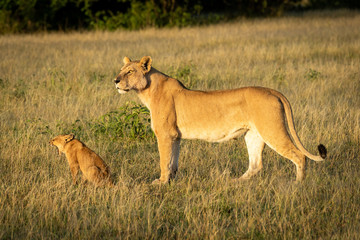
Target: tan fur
x: 261, y: 114
x: 81, y: 157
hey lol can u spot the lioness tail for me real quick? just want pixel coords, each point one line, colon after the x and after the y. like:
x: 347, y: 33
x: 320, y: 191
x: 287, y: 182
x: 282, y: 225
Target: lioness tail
x: 322, y: 151
x: 294, y: 136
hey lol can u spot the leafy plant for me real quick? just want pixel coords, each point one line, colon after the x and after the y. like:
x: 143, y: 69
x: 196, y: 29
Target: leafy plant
x: 185, y: 75
x: 279, y: 77
x: 132, y: 121
x: 312, y: 75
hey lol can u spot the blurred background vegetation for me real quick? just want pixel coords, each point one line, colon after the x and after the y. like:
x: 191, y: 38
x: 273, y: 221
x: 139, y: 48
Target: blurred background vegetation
x: 46, y: 15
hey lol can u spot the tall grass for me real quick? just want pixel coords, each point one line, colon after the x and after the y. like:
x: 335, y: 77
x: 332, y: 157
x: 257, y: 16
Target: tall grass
x: 55, y: 83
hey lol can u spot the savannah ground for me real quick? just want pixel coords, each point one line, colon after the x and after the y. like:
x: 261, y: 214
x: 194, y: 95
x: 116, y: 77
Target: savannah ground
x: 55, y: 83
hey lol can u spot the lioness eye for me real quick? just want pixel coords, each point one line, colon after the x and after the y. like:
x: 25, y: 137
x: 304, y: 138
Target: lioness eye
x: 130, y: 71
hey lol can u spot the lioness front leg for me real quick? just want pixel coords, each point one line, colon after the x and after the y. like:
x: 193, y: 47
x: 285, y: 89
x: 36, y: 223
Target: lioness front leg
x: 169, y: 149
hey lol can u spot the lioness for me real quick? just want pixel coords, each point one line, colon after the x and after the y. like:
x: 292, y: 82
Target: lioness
x: 80, y: 156
x: 177, y: 112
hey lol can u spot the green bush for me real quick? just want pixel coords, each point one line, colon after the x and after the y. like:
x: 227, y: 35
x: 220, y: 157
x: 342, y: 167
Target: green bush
x: 185, y: 74
x: 141, y: 15
x: 131, y: 121
x: 312, y: 75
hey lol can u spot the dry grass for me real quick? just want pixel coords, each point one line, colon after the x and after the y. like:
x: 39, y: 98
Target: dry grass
x: 48, y: 81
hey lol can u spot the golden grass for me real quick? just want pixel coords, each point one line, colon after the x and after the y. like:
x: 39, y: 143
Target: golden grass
x: 48, y: 81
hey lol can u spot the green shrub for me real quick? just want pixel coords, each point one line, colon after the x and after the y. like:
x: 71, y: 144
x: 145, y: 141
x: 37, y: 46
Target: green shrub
x: 312, y: 75
x: 131, y: 121
x: 143, y: 14
x: 185, y: 74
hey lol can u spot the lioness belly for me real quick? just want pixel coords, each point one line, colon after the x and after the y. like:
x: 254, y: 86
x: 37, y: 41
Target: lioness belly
x: 212, y: 135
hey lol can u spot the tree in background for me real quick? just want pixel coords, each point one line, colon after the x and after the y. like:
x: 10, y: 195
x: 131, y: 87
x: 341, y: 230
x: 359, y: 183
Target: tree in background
x: 40, y: 15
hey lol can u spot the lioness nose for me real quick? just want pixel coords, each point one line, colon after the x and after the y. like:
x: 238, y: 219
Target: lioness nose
x: 116, y: 80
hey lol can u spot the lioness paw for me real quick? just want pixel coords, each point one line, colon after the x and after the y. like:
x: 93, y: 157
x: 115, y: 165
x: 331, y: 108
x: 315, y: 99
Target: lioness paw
x: 159, y: 182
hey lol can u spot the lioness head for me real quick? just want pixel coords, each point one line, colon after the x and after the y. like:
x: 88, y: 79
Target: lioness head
x: 132, y: 75
x: 60, y: 141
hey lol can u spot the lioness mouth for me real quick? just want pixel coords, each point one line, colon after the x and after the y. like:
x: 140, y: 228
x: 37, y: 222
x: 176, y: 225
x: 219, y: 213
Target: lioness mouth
x: 118, y: 88
x: 121, y: 91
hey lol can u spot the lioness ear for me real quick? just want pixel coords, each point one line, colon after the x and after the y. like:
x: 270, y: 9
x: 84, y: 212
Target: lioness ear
x: 69, y: 137
x: 145, y: 63
x: 126, y: 60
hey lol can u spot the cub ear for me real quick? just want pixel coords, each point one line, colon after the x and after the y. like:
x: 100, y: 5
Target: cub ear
x: 126, y: 60
x: 145, y: 63
x: 69, y: 137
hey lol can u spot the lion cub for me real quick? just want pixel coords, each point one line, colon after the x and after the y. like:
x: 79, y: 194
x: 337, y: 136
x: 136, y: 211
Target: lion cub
x: 80, y: 156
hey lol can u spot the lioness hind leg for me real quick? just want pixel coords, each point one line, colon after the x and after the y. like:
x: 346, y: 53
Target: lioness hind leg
x: 286, y: 148
x: 255, y: 146
x: 93, y: 174
x: 298, y: 159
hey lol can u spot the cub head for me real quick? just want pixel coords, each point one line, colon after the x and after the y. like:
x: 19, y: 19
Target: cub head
x: 133, y: 75
x: 60, y: 141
